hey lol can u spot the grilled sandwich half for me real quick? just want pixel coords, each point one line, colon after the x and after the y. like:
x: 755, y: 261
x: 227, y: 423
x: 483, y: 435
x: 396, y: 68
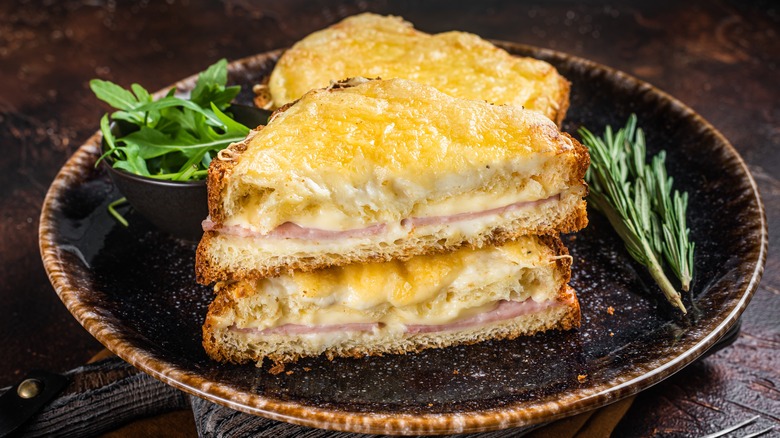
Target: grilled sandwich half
x: 382, y: 170
x: 457, y: 63
x: 434, y: 301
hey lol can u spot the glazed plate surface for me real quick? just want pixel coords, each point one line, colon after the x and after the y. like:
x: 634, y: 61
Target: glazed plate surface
x: 134, y: 290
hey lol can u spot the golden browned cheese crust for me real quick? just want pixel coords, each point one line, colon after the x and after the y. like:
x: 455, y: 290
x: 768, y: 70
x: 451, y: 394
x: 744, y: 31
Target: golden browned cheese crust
x: 457, y: 63
x: 220, y: 171
x: 533, y: 138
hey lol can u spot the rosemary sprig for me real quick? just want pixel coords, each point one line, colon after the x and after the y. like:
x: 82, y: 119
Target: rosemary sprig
x: 638, y: 201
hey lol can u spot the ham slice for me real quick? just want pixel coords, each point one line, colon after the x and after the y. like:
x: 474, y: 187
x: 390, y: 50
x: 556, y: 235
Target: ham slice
x: 299, y: 329
x: 290, y: 230
x: 504, y: 310
x: 436, y: 220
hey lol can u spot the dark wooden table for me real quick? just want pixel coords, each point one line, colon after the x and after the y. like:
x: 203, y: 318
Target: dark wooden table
x: 721, y: 58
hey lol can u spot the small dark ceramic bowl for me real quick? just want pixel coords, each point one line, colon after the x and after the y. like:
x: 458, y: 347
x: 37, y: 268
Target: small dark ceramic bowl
x: 178, y: 208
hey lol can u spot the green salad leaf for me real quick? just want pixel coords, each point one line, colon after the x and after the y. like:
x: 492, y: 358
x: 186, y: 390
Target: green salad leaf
x: 171, y: 138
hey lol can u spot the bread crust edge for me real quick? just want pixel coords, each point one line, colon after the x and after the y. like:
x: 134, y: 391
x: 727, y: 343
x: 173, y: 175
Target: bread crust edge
x: 569, y: 320
x: 207, y: 271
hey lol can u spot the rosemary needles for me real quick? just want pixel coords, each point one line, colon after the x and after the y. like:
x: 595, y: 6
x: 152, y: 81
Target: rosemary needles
x: 637, y: 199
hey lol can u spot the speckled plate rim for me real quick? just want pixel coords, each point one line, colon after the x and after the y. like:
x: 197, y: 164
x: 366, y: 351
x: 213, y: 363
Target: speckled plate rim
x: 567, y: 403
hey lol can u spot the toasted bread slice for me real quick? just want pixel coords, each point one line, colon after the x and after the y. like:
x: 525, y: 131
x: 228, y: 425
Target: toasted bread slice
x: 386, y: 169
x: 394, y: 307
x: 457, y: 63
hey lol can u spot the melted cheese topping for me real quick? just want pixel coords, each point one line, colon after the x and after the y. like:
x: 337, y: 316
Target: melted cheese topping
x: 459, y: 64
x: 435, y: 289
x: 330, y: 217
x: 375, y: 152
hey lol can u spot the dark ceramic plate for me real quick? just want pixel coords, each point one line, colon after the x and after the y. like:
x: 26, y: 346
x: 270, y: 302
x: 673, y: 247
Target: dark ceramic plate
x: 134, y: 290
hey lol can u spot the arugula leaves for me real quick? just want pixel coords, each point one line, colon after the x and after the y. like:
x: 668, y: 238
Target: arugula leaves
x: 170, y: 138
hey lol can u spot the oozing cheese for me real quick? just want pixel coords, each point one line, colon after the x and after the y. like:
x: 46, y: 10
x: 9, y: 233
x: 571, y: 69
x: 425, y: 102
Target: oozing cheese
x: 328, y: 216
x: 435, y: 289
x: 242, y: 246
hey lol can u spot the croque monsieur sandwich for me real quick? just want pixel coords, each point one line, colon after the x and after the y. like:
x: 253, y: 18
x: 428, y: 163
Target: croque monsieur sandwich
x: 428, y: 301
x: 376, y: 170
x: 457, y: 63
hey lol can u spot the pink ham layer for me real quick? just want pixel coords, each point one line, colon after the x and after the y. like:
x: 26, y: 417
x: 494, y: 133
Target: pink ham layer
x: 289, y: 230
x: 504, y: 310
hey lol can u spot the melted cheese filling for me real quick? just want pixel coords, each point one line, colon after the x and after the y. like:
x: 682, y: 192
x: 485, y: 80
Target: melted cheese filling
x: 393, y: 232
x: 329, y: 217
x: 425, y: 290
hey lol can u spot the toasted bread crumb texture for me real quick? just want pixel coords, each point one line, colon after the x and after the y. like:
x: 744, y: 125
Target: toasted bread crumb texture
x: 224, y: 257
x: 382, y: 150
x: 433, y: 289
x: 231, y: 346
x: 457, y: 63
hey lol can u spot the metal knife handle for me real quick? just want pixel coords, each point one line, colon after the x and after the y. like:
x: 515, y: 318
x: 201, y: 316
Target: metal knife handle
x: 26, y: 398
x: 101, y: 397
